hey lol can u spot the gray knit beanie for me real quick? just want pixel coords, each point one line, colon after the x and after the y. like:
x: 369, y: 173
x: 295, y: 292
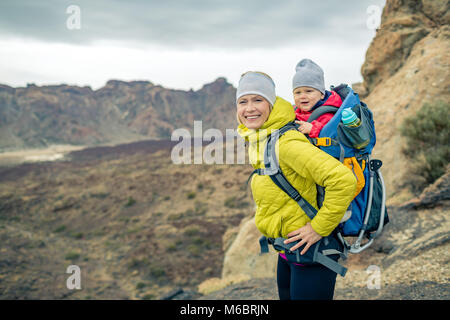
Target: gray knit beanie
x: 308, y: 74
x: 254, y: 82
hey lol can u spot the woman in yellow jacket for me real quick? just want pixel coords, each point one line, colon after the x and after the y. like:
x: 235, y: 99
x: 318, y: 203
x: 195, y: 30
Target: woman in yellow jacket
x: 260, y: 112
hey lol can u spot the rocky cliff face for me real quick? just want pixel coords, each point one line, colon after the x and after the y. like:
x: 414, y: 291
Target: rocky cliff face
x: 404, y: 23
x: 118, y: 112
x: 406, y: 66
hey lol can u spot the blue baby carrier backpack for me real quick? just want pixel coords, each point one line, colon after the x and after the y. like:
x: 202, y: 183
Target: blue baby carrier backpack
x: 367, y: 214
x: 368, y: 208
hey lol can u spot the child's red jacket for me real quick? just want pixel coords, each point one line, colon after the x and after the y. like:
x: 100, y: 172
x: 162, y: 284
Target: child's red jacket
x: 333, y: 100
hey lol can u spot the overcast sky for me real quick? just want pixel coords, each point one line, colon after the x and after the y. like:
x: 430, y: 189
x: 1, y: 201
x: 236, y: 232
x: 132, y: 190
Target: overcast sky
x: 181, y: 44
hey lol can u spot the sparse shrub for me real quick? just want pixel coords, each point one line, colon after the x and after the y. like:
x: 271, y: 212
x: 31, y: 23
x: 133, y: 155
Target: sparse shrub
x: 140, y: 285
x: 171, y: 247
x: 235, y: 203
x: 191, y: 195
x: 77, y: 235
x: 137, y: 263
x: 175, y: 216
x: 148, y: 297
x: 191, y: 231
x: 61, y: 228
x: 202, y: 243
x: 194, y: 249
x: 427, y: 144
x: 130, y: 202
x: 100, y: 195
x: 134, y: 263
x: 72, y: 255
x: 157, y: 271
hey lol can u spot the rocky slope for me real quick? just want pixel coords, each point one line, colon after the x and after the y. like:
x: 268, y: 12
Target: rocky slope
x: 136, y: 224
x: 406, y: 66
x: 118, y: 112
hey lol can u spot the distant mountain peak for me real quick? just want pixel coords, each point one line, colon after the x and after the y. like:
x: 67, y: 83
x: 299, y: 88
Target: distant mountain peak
x: 117, y: 83
x: 36, y: 116
x: 219, y: 85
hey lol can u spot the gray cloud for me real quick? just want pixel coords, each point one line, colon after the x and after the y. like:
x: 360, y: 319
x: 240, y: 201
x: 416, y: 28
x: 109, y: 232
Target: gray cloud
x: 190, y: 24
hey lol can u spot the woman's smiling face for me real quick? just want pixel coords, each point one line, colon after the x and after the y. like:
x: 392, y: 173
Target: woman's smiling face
x: 253, y: 110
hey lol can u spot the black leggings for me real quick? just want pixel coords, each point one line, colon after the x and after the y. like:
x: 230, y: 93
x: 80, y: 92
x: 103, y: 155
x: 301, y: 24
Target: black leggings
x: 314, y: 282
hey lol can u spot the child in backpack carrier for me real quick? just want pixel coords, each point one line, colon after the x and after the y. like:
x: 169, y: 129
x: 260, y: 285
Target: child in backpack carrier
x: 309, y: 93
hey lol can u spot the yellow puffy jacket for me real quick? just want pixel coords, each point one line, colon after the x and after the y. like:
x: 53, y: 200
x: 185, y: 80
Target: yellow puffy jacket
x: 304, y: 166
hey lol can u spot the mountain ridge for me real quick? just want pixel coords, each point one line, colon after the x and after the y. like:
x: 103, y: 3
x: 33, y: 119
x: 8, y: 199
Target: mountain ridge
x: 120, y: 111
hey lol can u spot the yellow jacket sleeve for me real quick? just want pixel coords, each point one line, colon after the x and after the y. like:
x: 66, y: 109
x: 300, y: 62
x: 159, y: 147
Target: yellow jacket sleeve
x: 314, y: 164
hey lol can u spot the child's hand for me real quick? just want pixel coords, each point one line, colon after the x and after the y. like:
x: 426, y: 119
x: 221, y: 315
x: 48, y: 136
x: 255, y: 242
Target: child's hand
x: 305, y: 127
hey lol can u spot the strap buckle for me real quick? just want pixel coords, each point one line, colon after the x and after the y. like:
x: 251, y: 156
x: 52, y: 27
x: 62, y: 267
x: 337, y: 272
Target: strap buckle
x: 323, y: 142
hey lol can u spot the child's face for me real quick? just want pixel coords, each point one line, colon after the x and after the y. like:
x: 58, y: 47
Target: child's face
x: 253, y: 110
x: 306, y: 97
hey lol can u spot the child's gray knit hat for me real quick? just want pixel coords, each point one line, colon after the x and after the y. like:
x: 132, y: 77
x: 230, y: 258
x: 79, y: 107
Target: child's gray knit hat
x: 308, y: 74
x: 254, y: 82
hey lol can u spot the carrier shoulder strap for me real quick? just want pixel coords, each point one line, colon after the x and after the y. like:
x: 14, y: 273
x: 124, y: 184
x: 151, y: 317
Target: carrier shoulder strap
x: 277, y: 176
x: 321, y: 111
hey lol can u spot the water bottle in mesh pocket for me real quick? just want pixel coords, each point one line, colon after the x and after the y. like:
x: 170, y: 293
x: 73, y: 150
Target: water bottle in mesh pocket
x: 356, y: 137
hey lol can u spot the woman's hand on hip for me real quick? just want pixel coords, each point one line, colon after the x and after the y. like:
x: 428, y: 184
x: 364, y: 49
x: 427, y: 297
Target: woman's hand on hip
x: 306, y: 234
